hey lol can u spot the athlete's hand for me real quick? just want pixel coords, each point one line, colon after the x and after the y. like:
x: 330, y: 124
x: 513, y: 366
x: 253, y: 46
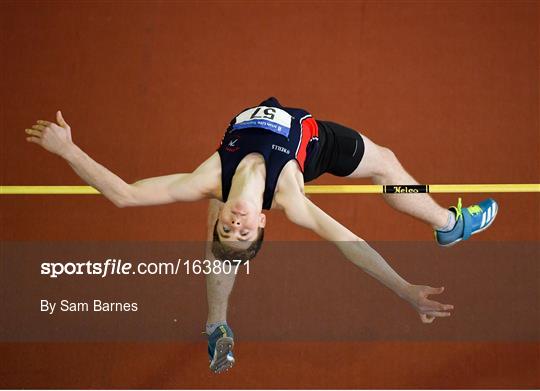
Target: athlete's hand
x: 54, y: 138
x: 428, y: 309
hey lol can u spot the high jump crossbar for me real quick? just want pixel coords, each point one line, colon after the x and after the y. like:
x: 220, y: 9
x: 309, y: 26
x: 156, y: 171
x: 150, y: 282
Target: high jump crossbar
x: 320, y: 189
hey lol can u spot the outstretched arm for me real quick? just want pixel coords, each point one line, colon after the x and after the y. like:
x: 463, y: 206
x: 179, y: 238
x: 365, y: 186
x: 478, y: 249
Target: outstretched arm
x: 153, y: 191
x: 301, y: 211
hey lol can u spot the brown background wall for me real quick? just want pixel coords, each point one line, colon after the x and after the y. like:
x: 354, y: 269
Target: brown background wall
x: 148, y: 89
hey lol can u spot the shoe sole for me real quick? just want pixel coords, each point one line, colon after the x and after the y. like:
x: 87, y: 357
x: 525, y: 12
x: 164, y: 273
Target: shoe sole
x: 475, y: 232
x: 221, y: 361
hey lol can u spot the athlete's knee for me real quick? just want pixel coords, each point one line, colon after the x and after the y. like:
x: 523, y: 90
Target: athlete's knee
x: 388, y: 159
x: 388, y: 155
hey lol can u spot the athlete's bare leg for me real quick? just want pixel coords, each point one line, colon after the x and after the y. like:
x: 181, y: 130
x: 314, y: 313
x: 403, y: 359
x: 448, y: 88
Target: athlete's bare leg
x: 218, y: 289
x: 218, y: 286
x: 381, y: 165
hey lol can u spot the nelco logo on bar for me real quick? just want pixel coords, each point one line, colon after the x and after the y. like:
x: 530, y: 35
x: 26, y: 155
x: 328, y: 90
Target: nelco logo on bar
x: 405, y: 189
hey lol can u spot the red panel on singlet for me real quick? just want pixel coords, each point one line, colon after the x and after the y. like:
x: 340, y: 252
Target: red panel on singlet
x: 310, y: 130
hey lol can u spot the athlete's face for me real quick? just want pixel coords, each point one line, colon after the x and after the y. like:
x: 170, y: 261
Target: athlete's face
x: 240, y: 221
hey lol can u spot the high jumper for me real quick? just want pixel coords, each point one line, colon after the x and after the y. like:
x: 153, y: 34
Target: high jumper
x: 266, y: 155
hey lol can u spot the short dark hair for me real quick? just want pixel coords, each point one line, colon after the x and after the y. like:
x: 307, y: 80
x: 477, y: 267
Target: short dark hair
x: 227, y: 253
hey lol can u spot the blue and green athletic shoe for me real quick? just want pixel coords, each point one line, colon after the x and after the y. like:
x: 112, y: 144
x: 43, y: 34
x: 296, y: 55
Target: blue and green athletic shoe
x: 220, y: 346
x: 469, y: 221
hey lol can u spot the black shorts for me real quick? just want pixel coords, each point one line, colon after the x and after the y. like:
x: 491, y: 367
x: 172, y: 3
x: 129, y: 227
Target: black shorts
x: 339, y: 152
